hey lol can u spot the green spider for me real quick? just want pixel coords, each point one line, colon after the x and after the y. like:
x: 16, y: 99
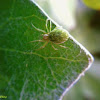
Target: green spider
x: 56, y: 36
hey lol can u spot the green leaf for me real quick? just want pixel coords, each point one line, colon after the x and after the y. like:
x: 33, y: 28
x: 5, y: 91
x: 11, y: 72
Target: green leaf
x: 27, y: 73
x: 95, y: 4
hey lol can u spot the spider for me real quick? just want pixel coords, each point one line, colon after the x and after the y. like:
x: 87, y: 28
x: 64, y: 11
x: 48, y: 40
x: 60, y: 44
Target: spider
x: 56, y: 36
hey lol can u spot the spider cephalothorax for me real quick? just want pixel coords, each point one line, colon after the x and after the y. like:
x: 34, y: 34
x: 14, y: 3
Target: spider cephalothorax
x: 46, y: 37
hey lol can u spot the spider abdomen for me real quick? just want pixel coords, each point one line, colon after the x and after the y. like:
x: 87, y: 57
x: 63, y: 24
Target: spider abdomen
x: 58, y: 36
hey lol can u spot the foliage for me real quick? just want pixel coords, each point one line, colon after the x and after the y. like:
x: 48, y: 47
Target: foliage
x: 95, y: 4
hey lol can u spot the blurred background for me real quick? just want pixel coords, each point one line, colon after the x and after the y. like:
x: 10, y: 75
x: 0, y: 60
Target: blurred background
x: 83, y: 23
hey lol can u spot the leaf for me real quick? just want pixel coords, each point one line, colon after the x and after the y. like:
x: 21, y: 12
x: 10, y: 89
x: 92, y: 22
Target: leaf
x: 95, y: 4
x: 27, y: 73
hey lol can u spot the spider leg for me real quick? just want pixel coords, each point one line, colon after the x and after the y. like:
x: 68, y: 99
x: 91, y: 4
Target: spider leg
x: 47, y: 25
x: 38, y: 29
x: 50, y: 25
x: 62, y: 46
x: 43, y: 46
x: 37, y: 41
x: 53, y: 46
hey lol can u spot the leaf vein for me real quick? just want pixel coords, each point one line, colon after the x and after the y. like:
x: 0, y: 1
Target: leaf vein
x: 34, y: 53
